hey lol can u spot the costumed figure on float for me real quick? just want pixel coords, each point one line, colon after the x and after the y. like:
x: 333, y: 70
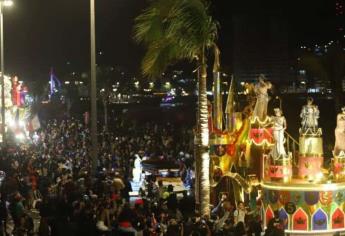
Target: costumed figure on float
x: 261, y: 90
x: 261, y: 132
x: 310, y: 114
x: 339, y: 147
x: 310, y: 142
x: 279, y: 166
x: 279, y: 127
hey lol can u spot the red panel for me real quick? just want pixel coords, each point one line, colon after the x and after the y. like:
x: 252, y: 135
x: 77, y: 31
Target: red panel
x: 269, y: 214
x: 260, y: 135
x: 338, y: 219
x: 300, y: 220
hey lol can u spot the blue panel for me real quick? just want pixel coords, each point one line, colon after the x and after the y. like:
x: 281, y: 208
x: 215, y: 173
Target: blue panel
x: 319, y: 220
x: 284, y: 216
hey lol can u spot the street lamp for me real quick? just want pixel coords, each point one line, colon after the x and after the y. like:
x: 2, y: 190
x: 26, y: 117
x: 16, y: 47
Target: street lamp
x: 94, y: 141
x: 3, y: 3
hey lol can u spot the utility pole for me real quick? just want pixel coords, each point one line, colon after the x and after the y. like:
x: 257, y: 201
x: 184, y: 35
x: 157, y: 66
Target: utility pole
x: 94, y: 147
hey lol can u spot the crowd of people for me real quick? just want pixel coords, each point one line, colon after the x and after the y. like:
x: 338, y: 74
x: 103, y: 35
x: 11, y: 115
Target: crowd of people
x: 51, y: 176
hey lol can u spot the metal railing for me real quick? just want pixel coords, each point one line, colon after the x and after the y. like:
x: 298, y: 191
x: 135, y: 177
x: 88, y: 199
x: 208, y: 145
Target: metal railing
x: 292, y: 147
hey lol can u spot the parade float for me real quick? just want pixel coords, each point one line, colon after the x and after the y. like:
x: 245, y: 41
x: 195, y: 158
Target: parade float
x: 253, y: 158
x: 16, y: 109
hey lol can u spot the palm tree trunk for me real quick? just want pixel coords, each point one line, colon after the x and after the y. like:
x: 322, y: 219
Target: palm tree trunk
x: 196, y: 153
x: 217, y: 95
x: 197, y: 170
x: 203, y: 133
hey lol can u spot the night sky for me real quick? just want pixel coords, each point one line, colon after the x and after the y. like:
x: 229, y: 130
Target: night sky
x: 40, y: 34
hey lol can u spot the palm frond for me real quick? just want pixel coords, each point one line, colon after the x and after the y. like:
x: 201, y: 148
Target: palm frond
x: 149, y: 25
x: 173, y: 30
x: 159, y: 56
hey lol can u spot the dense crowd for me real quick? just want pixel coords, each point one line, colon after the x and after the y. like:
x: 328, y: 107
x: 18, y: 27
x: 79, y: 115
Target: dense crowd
x: 50, y: 176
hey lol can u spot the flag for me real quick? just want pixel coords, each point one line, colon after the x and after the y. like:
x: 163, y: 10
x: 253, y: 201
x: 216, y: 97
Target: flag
x: 55, y: 83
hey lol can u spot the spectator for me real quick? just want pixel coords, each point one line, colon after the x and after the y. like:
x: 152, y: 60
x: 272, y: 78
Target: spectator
x: 275, y: 226
x: 240, y: 213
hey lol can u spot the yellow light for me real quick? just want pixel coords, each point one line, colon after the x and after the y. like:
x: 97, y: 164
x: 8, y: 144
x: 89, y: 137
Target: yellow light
x: 313, y: 231
x: 265, y: 142
x: 256, y: 119
x: 304, y: 187
x: 8, y: 3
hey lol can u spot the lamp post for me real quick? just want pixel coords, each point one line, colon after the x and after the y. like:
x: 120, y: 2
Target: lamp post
x: 3, y: 3
x: 94, y: 142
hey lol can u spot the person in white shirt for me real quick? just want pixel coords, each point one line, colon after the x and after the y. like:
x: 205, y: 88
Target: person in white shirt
x: 240, y: 213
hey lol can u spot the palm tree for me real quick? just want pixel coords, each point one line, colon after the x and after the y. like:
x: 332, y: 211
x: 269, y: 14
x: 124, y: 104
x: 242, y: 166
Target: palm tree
x: 174, y: 30
x: 105, y: 77
x: 329, y: 67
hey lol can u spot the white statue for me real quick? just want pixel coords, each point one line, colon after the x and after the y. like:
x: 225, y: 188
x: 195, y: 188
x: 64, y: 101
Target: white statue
x: 279, y: 126
x: 310, y: 114
x: 137, y: 169
x: 261, y: 89
x: 339, y: 147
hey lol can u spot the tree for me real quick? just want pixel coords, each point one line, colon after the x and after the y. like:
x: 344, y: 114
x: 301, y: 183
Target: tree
x: 105, y: 77
x: 329, y: 66
x: 175, y: 30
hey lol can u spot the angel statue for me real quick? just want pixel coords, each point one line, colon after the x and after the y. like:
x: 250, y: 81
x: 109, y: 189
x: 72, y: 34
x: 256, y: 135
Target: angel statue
x: 261, y: 89
x: 339, y: 147
x: 279, y: 126
x: 310, y: 114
